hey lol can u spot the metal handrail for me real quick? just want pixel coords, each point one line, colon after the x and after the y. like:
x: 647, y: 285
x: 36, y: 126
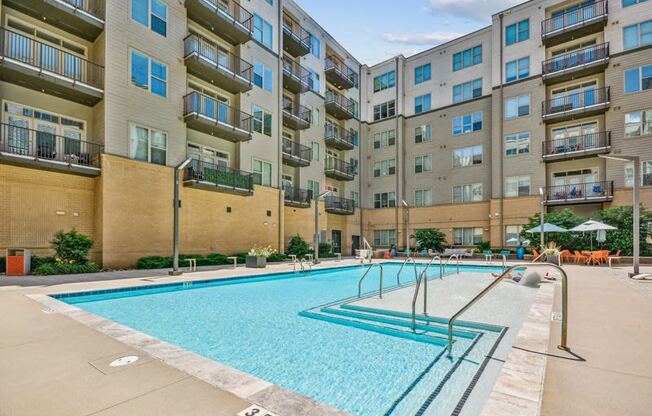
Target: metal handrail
x: 417, y: 286
x: 421, y: 277
x: 575, y: 59
x: 558, y: 24
x: 371, y: 266
x: 564, y: 302
x: 369, y: 249
x: 416, y: 277
x: 575, y: 100
x: 457, y: 258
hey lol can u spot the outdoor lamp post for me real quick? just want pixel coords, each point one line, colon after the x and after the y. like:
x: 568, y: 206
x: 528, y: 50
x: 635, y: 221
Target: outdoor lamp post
x: 541, y: 217
x: 407, y: 228
x: 316, y: 237
x: 636, y: 205
x: 177, y: 204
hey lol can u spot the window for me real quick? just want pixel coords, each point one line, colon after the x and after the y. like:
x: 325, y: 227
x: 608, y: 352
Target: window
x: 467, y: 58
x: 517, y: 106
x: 156, y: 20
x: 513, y: 234
x: 148, y: 145
x: 384, y: 139
x: 627, y: 3
x: 637, y: 35
x: 316, y: 116
x: 421, y: 103
x: 467, y: 91
x: 314, y: 187
x: 517, y: 144
x: 467, y: 123
x: 313, y: 81
x: 385, y: 81
x: 262, y: 31
x: 638, y: 123
x: 208, y: 155
x: 354, y: 163
x: 314, y: 147
x: 517, y: 69
x: 355, y: 197
x: 262, y: 121
x: 646, y: 174
x: 262, y: 173
x: 517, y: 186
x: 518, y: 32
x: 638, y: 79
x: 467, y: 156
x: 384, y: 110
x: 423, y: 197
x: 422, y: 134
x: 422, y: 74
x: 315, y: 46
x: 422, y: 164
x: 384, y: 237
x: 385, y: 168
x: 467, y: 236
x: 385, y: 200
x: 467, y: 193
x: 148, y: 74
x: 263, y: 76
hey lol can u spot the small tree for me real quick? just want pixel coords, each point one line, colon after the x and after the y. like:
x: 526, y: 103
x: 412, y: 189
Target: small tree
x: 298, y: 246
x: 565, y: 218
x: 71, y: 246
x: 622, y: 217
x: 431, y: 239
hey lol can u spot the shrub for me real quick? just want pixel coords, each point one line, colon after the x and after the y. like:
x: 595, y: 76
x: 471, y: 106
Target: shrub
x: 622, y: 218
x: 298, y: 246
x: 3, y: 264
x: 71, y: 246
x: 431, y: 239
x: 154, y: 262
x: 47, y: 269
x: 325, y: 249
x: 276, y: 258
x: 484, y: 246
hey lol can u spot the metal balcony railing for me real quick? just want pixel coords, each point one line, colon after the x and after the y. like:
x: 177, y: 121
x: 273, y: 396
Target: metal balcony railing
x: 341, y: 101
x: 47, y: 58
x: 295, y: 70
x: 195, y: 44
x: 579, y: 192
x: 584, y: 143
x: 297, y: 195
x: 339, y: 166
x: 296, y: 150
x: 338, y: 204
x: 582, y: 15
x: 334, y: 63
x: 93, y: 7
x: 335, y: 133
x: 21, y: 141
x: 239, y: 14
x: 294, y: 29
x: 576, y: 59
x: 576, y: 101
x: 216, y: 111
x: 221, y: 176
x: 297, y: 110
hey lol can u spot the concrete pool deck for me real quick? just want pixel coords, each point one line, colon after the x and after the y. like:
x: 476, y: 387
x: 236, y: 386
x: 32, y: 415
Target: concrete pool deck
x: 54, y: 365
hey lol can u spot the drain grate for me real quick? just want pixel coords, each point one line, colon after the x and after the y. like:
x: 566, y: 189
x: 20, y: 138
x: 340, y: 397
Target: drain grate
x: 122, y: 361
x: 556, y: 316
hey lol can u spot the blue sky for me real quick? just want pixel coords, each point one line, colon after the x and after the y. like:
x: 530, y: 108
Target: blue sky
x: 374, y: 30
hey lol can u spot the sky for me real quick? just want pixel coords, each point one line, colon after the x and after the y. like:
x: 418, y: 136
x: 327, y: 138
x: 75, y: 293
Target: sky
x: 374, y: 30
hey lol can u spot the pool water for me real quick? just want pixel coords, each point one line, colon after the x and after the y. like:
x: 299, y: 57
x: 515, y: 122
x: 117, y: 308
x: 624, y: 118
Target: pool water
x: 257, y: 325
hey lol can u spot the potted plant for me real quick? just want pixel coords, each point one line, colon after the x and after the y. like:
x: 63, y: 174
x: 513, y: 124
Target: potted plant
x: 257, y: 256
x: 551, y: 251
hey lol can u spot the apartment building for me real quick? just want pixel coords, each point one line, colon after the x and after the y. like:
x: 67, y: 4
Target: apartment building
x: 476, y: 133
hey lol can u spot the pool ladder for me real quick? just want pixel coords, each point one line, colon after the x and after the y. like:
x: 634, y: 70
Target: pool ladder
x: 407, y: 260
x: 302, y: 263
x: 423, y: 277
x: 371, y: 266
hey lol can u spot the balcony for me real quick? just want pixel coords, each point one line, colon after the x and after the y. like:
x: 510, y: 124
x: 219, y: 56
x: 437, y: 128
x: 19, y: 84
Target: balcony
x: 38, y: 66
x: 339, y: 106
x: 577, y: 146
x: 296, y: 116
x: 295, y: 77
x: 295, y: 154
x: 82, y: 18
x: 576, y: 64
x: 216, y: 65
x: 582, y: 193
x: 339, y: 74
x: 220, y: 178
x: 226, y: 18
x: 296, y: 40
x: 339, y: 170
x: 578, y: 104
x: 339, y: 137
x: 210, y: 116
x: 296, y: 197
x: 340, y: 206
x: 26, y: 147
x: 574, y: 24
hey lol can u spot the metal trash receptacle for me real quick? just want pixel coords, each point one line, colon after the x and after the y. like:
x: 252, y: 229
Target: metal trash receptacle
x: 19, y: 262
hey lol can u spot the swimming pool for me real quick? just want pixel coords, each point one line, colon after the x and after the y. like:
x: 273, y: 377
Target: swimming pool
x: 299, y: 331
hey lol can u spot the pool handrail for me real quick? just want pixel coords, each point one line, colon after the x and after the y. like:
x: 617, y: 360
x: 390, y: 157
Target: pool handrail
x: 457, y: 258
x: 503, y: 276
x: 408, y: 259
x: 417, y: 286
x: 303, y: 268
x: 371, y: 266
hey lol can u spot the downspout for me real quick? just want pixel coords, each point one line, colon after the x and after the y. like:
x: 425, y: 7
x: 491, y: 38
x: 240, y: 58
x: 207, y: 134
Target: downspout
x: 360, y: 141
x: 279, y: 153
x: 502, y: 141
x: 399, y: 138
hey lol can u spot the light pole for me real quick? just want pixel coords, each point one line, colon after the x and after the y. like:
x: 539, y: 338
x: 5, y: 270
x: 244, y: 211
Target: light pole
x: 316, y: 236
x: 636, y: 161
x: 177, y: 204
x: 407, y: 228
x: 541, y: 218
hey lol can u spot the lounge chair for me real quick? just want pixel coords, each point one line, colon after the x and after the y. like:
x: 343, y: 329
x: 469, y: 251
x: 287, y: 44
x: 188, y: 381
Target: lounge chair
x: 615, y: 257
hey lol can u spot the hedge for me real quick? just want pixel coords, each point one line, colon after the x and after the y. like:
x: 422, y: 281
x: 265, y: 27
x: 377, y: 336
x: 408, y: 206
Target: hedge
x: 47, y: 269
x: 214, y: 259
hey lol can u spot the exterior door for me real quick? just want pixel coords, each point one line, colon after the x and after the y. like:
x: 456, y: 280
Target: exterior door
x: 355, y: 244
x: 336, y: 238
x: 18, y: 135
x: 46, y: 140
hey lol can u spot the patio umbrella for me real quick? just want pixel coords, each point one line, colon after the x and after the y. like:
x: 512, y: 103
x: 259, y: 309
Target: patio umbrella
x: 592, y: 225
x: 547, y: 228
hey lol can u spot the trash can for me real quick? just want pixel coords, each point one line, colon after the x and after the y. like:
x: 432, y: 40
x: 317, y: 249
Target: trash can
x: 19, y: 262
x: 520, y: 253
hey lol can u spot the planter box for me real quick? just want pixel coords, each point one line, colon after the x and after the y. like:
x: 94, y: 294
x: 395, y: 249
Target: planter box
x: 256, y: 262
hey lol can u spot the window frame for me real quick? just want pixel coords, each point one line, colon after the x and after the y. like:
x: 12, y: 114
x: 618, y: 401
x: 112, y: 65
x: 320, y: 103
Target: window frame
x: 517, y: 100
x: 459, y: 123
x: 473, y: 156
x: 150, y: 76
x: 421, y: 75
x: 518, y: 179
x: 518, y: 139
x: 422, y: 103
x: 150, y: 15
x: 132, y: 127
x: 640, y: 79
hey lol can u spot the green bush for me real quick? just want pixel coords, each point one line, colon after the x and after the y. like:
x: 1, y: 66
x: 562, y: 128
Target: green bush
x: 430, y: 239
x: 213, y: 259
x: 72, y: 246
x: 277, y: 258
x: 154, y: 262
x: 298, y: 246
x: 47, y: 269
x: 3, y: 265
x: 484, y: 246
x: 325, y: 249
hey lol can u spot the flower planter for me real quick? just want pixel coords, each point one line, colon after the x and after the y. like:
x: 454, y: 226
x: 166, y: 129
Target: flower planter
x: 256, y: 262
x: 553, y: 259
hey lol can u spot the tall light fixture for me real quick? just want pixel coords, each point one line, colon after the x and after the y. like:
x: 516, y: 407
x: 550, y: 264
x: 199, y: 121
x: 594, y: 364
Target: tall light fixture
x: 177, y: 204
x: 541, y: 217
x: 316, y: 236
x: 407, y: 228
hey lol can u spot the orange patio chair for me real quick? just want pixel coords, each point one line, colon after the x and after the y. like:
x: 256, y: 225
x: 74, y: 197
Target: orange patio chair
x: 535, y: 255
x: 580, y: 257
x: 615, y: 257
x: 565, y: 255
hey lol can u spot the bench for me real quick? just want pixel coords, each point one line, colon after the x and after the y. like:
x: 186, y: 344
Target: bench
x: 235, y: 261
x: 192, y: 265
x: 459, y: 251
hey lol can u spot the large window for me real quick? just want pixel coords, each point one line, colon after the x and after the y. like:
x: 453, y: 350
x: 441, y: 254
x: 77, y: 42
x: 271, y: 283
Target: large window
x: 422, y: 163
x: 423, y: 134
x: 423, y: 197
x: 517, y: 69
x: 385, y: 200
x: 313, y: 81
x: 467, y: 236
x: 638, y: 123
x: 517, y: 106
x: 513, y: 234
x: 148, y: 145
x: 467, y: 156
x: 467, y: 91
x: 467, y: 58
x: 517, y: 32
x: 422, y: 103
x: 315, y: 150
x: 467, y: 193
x: 148, y: 74
x: 517, y: 144
x: 467, y: 123
x: 384, y: 168
x: 638, y: 79
x: 314, y: 187
x: 384, y: 110
x: 384, y: 139
x: 627, y: 3
x: 262, y: 172
x: 355, y: 197
x: 637, y: 35
x: 263, y: 76
x: 646, y: 174
x: 384, y: 237
x: 262, y: 121
x: 385, y: 81
x: 262, y: 31
x: 315, y: 46
x: 517, y: 186
x: 422, y: 74
x: 151, y: 13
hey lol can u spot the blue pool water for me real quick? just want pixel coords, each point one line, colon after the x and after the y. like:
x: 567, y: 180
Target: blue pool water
x: 254, y: 325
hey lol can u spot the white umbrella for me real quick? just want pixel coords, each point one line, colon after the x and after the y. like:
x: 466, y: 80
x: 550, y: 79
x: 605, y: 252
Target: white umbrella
x: 592, y: 225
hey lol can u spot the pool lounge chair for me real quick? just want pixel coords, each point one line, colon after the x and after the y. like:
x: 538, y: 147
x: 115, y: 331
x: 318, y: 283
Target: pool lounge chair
x: 615, y: 257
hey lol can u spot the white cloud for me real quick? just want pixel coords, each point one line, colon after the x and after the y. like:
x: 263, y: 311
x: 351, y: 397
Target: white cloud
x: 432, y: 38
x: 478, y: 10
